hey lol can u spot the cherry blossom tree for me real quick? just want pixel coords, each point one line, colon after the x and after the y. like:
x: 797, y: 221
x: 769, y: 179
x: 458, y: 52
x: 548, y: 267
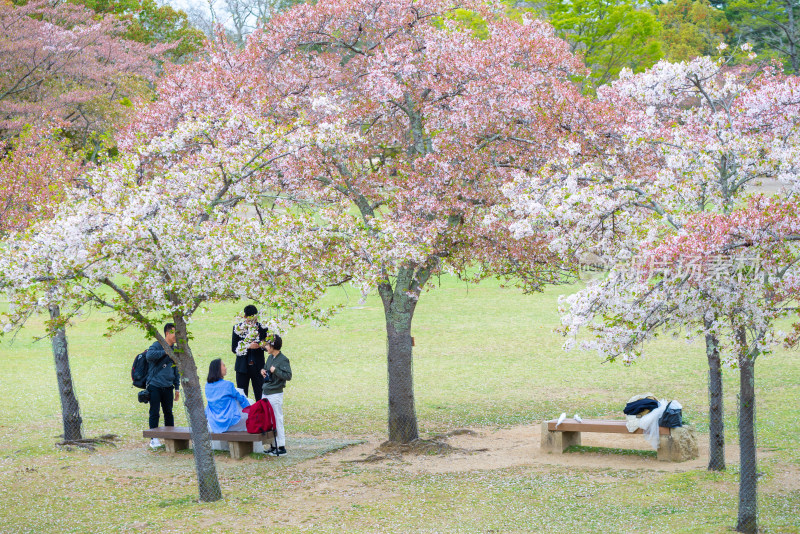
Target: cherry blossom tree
x: 35, y: 170
x: 65, y: 75
x: 415, y: 123
x: 149, y: 21
x: 62, y: 65
x: 163, y: 231
x: 725, y: 276
x: 760, y: 241
x: 691, y: 137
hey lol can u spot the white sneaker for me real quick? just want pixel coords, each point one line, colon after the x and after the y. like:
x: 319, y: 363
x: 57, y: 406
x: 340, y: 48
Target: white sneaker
x: 155, y: 443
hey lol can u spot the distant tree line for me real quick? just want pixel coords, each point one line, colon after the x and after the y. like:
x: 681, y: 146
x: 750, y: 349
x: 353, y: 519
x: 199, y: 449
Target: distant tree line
x: 614, y: 34
x: 609, y: 34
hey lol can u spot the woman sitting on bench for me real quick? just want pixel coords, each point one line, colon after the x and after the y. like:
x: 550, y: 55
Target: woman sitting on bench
x: 224, y: 402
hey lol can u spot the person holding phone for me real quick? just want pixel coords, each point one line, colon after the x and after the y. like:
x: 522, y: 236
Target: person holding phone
x: 276, y: 372
x: 247, y: 343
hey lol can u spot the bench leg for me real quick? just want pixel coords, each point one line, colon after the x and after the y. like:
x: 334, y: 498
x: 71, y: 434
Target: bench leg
x: 266, y: 442
x: 175, y: 445
x: 557, y: 441
x: 679, y: 446
x: 240, y: 449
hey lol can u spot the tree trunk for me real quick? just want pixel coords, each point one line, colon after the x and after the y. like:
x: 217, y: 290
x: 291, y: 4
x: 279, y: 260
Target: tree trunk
x: 206, y: 468
x: 70, y: 411
x: 791, y: 32
x: 716, y: 421
x: 398, y: 308
x: 747, y: 520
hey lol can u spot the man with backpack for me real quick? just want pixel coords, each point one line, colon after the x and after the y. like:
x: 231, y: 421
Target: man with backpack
x: 162, y: 381
x: 276, y: 373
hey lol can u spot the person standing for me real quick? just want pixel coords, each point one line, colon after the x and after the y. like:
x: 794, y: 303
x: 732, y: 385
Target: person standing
x: 162, y: 382
x: 276, y: 372
x: 247, y: 343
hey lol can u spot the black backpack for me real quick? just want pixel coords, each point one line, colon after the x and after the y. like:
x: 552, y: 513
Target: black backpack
x: 139, y: 370
x: 671, y: 418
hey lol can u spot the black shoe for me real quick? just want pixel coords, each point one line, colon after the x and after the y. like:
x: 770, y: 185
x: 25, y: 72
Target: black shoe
x: 272, y: 450
x: 280, y: 451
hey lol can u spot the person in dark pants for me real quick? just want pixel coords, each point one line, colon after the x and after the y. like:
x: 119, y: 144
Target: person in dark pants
x: 162, y: 382
x: 247, y: 343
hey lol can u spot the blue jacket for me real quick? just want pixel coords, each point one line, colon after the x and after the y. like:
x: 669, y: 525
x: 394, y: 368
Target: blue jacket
x: 224, y: 408
x: 162, y: 373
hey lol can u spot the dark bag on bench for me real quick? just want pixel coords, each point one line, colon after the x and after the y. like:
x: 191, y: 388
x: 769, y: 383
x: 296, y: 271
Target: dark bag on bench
x: 671, y: 418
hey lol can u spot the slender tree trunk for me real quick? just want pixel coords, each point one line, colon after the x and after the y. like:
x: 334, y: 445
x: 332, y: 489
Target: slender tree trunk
x: 747, y: 520
x: 398, y: 307
x: 791, y: 31
x: 716, y: 420
x: 206, y: 468
x: 70, y: 411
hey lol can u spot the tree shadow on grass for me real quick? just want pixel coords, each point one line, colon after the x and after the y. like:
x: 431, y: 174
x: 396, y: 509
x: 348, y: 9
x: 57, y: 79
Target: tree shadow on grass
x: 143, y: 459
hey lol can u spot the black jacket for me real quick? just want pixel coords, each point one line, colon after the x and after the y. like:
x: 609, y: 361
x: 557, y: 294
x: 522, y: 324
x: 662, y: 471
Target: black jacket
x: 162, y: 372
x: 253, y: 357
x: 636, y: 407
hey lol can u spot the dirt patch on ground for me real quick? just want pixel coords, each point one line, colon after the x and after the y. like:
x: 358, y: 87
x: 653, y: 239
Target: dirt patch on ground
x: 787, y: 480
x: 473, y: 450
x: 460, y: 450
x: 436, y: 446
x: 141, y: 458
x: 321, y: 476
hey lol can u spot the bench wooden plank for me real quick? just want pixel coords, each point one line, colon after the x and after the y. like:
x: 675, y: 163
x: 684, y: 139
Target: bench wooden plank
x: 185, y: 432
x: 597, y: 425
x: 674, y: 444
x: 168, y: 432
x: 177, y: 438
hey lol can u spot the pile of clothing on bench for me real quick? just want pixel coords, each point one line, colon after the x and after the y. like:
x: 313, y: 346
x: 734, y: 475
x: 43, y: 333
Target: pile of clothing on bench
x: 648, y: 413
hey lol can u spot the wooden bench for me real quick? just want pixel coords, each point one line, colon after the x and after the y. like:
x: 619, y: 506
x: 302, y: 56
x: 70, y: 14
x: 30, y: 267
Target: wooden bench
x: 177, y: 438
x: 674, y: 444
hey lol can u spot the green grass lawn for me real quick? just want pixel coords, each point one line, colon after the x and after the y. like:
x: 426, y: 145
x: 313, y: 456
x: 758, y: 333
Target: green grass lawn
x: 485, y: 357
